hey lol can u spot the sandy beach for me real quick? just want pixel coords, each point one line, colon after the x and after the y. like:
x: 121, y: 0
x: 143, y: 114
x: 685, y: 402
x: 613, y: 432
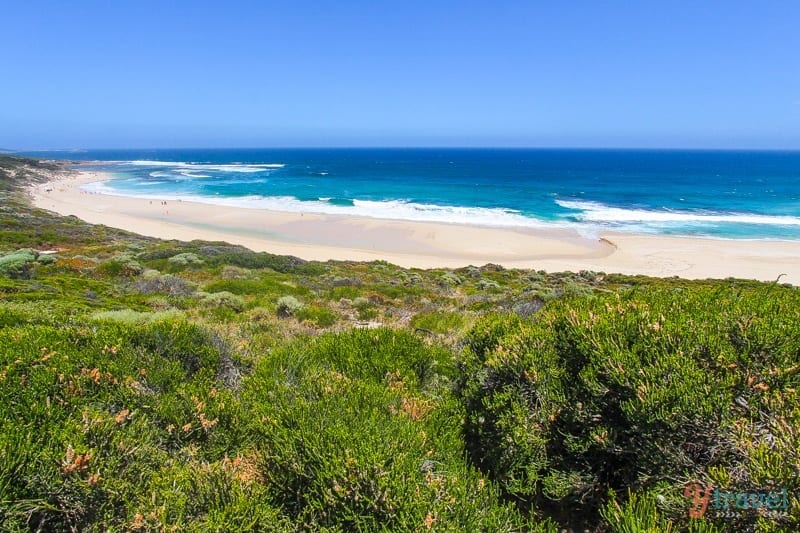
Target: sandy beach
x: 421, y: 244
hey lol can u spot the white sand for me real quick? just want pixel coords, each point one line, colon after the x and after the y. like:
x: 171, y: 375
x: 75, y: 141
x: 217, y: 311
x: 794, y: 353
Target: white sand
x: 422, y: 244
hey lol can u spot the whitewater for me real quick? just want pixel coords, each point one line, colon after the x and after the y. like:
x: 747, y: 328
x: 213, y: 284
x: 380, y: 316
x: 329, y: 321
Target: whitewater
x: 724, y: 194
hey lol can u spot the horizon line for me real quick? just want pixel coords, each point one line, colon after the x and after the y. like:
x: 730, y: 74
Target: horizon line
x: 8, y: 151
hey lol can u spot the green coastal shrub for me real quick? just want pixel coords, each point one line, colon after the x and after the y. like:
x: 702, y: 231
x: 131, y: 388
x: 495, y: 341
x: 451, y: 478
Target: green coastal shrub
x: 153, y: 282
x: 643, y: 391
x: 12, y: 316
x: 234, y: 272
x: 438, y: 321
x: 264, y: 286
x: 46, y: 259
x: 321, y: 317
x: 113, y: 413
x: 128, y: 316
x: 365, y: 308
x: 19, y: 264
x: 359, y: 436
x: 185, y: 259
x: 473, y: 271
x: 488, y: 284
x: 288, y: 306
x: 223, y: 300
x: 124, y: 265
x: 244, y: 258
x: 411, y: 278
x: 23, y: 263
x: 450, y: 278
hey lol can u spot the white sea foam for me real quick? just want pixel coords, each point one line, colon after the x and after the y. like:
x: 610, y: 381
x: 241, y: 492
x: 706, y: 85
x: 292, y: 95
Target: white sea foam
x: 181, y: 165
x: 240, y: 168
x: 100, y: 187
x: 191, y: 175
x: 143, y: 163
x: 589, y: 217
x: 391, y: 209
x: 596, y: 212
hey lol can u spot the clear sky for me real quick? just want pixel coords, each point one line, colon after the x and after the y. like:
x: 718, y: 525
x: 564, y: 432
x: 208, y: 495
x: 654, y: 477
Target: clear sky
x: 666, y: 73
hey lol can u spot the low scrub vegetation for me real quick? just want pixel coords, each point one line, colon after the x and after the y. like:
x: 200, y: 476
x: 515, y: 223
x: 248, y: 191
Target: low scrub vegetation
x: 635, y: 395
x: 150, y: 385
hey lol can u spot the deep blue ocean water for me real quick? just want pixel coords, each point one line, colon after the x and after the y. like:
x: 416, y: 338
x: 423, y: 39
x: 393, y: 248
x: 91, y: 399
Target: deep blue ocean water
x: 729, y: 194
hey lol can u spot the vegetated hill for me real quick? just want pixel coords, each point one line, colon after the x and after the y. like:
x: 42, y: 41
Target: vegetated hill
x: 163, y: 385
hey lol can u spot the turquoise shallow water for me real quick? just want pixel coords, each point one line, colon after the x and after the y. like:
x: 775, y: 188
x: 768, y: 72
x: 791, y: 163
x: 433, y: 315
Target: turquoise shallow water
x: 730, y: 194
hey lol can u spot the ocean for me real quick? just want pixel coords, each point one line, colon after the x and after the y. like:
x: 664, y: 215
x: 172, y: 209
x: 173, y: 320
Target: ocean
x: 723, y: 194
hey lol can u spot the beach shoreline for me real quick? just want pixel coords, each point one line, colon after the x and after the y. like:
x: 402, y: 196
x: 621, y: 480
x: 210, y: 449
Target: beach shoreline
x: 416, y: 244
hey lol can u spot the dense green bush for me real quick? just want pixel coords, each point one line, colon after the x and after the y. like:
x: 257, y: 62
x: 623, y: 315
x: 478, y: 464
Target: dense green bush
x: 244, y: 258
x: 128, y: 316
x: 365, y: 308
x: 438, y: 321
x: 46, y: 258
x: 153, y: 282
x: 644, y: 391
x: 123, y: 264
x: 319, y: 316
x: 223, y: 300
x: 185, y: 259
x: 288, y: 306
x: 488, y: 284
x: 451, y: 278
x: 123, y: 428
x: 19, y: 264
x: 411, y: 278
x: 359, y: 435
x: 128, y: 428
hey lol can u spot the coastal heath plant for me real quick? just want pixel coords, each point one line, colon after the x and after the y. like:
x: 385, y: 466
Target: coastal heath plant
x: 19, y: 264
x: 288, y: 306
x: 360, y: 434
x: 319, y: 316
x: 223, y: 300
x: 488, y: 284
x: 365, y: 308
x: 153, y: 282
x: 122, y: 264
x: 129, y: 316
x: 451, y: 278
x: 642, y: 388
x: 185, y: 259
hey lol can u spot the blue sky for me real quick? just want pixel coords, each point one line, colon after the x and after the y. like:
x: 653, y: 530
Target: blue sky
x: 710, y: 74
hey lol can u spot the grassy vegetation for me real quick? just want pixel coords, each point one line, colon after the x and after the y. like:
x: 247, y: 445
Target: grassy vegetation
x: 163, y: 385
x: 644, y: 390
